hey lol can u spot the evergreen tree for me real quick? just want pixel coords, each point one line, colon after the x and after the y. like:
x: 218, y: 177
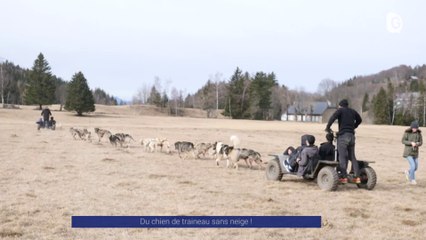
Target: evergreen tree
x: 380, y: 108
x: 154, y: 97
x: 101, y: 97
x: 79, y: 98
x: 237, y: 99
x: 365, y: 103
x: 414, y: 86
x: 390, y: 97
x: 41, y: 87
x: 261, y: 94
x: 164, y: 100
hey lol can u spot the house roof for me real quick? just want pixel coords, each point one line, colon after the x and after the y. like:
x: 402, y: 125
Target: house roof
x: 318, y: 108
x: 291, y: 110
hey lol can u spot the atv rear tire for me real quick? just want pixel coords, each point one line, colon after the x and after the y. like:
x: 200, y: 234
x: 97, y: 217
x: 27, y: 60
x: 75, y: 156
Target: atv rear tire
x: 368, y: 178
x: 273, y: 170
x: 328, y: 179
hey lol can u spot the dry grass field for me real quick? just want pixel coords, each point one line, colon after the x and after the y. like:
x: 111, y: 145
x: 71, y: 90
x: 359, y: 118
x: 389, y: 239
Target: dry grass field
x: 46, y: 177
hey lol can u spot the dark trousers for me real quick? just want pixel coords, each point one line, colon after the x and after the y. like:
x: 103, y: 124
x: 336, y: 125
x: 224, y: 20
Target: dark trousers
x: 346, y: 150
x: 46, y: 122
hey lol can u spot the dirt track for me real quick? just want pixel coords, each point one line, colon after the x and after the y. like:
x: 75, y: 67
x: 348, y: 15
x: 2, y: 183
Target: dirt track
x: 47, y: 177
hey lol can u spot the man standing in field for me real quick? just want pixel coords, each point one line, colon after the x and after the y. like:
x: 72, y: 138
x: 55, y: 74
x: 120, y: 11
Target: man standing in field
x: 348, y: 120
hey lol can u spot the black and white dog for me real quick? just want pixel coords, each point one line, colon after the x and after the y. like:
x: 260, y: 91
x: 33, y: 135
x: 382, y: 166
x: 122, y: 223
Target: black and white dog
x: 224, y: 151
x: 234, y: 154
x: 120, y: 138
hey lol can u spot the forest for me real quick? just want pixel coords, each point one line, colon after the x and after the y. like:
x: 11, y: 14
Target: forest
x: 394, y: 96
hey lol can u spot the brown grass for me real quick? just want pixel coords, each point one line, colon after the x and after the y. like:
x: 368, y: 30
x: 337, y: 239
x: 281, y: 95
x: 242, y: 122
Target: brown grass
x: 46, y: 177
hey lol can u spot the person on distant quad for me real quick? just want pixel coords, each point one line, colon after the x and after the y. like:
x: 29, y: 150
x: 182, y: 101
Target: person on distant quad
x: 309, y: 152
x: 40, y: 123
x: 348, y: 120
x: 52, y: 123
x: 326, y: 149
x: 46, y: 113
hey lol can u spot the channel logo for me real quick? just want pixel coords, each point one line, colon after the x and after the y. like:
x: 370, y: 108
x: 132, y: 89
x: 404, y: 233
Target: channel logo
x: 394, y: 22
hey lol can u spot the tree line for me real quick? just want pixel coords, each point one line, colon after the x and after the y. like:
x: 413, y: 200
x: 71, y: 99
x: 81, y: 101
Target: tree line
x: 395, y: 96
x: 246, y: 96
x: 40, y: 87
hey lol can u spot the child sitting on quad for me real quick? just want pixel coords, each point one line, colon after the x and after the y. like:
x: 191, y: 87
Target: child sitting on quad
x: 307, y: 156
x: 52, y: 123
x: 40, y: 123
x: 295, y: 154
x: 327, y: 149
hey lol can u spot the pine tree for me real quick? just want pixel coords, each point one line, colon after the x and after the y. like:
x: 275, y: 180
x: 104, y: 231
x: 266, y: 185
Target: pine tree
x: 154, y: 97
x: 41, y: 87
x: 380, y: 108
x: 79, y: 98
x: 237, y: 98
x: 261, y: 94
x: 365, y: 103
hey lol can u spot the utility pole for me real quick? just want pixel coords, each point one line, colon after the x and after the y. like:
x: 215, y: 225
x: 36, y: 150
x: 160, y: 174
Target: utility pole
x: 2, y: 82
x: 424, y: 109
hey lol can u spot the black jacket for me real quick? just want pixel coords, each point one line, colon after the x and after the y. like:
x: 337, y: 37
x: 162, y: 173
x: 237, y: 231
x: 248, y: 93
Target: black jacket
x: 326, y: 151
x: 348, y: 119
x: 46, y: 113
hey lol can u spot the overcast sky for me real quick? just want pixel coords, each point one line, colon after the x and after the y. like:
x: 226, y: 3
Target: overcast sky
x: 121, y: 45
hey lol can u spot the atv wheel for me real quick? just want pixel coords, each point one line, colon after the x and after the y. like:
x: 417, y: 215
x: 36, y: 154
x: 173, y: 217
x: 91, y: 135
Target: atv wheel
x: 368, y: 178
x: 327, y: 179
x: 273, y: 170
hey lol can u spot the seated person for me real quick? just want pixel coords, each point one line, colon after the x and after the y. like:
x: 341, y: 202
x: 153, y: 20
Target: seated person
x: 52, y: 123
x: 289, y: 151
x: 295, y: 156
x: 326, y: 149
x: 307, y: 155
x: 40, y: 123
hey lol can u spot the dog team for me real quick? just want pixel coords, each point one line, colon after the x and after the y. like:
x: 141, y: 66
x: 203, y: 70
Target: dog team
x: 218, y: 150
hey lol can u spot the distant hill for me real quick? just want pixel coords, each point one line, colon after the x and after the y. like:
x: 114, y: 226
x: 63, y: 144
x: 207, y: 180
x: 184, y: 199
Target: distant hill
x: 355, y: 88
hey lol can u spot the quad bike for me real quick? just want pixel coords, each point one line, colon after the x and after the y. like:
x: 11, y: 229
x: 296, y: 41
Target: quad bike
x: 324, y: 171
x: 48, y: 125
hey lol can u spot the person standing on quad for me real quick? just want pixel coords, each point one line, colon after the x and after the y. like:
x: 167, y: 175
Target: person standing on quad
x: 348, y: 120
x: 308, y: 153
x: 46, y: 113
x: 412, y: 139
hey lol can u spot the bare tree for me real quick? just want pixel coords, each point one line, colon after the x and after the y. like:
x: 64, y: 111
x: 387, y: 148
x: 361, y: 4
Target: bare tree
x: 142, y: 94
x: 175, y: 99
x: 325, y: 86
x: 157, y: 84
